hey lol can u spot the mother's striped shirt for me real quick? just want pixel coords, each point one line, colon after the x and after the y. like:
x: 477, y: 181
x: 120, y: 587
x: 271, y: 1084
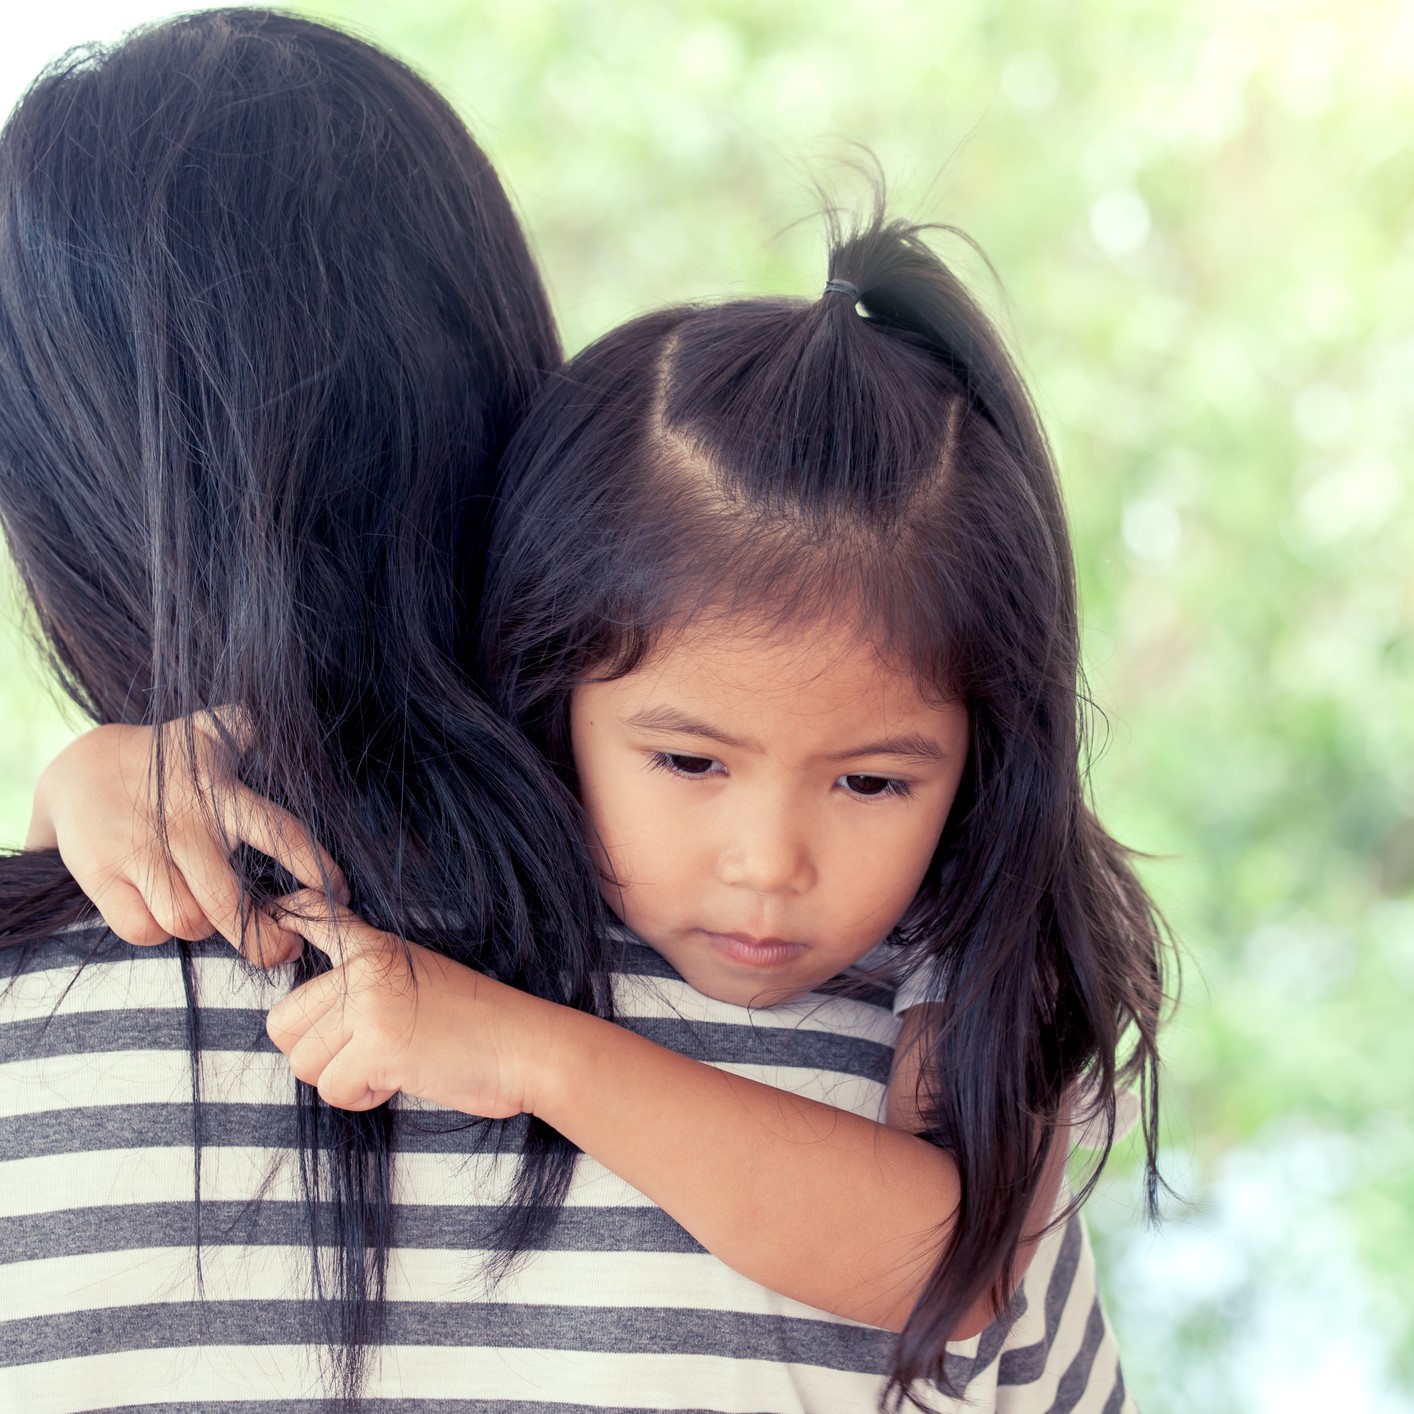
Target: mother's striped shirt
x: 101, y: 1307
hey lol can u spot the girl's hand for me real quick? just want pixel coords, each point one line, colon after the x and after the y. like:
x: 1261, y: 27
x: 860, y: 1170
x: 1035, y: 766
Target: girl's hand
x: 96, y: 803
x: 394, y: 1017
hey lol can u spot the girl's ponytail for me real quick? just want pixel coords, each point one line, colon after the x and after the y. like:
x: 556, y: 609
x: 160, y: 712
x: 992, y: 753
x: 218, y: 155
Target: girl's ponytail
x: 903, y: 286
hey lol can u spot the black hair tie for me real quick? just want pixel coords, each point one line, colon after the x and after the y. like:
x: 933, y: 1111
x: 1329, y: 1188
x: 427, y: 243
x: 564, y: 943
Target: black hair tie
x: 842, y: 287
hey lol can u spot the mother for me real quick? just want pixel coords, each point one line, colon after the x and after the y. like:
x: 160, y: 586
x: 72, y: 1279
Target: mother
x: 266, y: 322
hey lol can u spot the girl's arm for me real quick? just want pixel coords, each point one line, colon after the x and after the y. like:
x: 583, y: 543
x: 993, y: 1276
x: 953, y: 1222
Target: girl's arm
x: 816, y: 1203
x: 813, y: 1202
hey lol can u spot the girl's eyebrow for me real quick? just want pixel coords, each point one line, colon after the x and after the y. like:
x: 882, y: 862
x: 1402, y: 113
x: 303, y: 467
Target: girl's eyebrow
x: 670, y: 719
x: 912, y: 746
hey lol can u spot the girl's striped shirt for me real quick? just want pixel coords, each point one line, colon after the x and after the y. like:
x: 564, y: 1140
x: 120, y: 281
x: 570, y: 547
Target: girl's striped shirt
x: 102, y: 1308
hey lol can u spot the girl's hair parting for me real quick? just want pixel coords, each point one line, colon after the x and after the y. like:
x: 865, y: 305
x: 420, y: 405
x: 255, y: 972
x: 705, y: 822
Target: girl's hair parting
x: 871, y: 453
x: 267, y: 321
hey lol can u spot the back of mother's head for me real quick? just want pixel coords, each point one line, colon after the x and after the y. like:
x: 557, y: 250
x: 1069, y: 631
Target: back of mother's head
x: 267, y: 320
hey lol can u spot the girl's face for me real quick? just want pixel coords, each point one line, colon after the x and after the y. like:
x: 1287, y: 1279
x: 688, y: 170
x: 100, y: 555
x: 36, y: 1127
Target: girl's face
x: 766, y: 802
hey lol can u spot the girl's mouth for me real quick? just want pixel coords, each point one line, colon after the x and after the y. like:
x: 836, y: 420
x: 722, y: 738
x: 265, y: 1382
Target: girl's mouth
x: 753, y: 952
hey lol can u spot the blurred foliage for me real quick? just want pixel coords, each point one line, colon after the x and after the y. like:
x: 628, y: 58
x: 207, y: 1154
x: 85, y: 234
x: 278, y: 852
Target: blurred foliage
x: 1200, y: 218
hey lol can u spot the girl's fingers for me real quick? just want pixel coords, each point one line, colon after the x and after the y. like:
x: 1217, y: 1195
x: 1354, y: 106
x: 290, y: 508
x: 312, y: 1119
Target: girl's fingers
x: 273, y: 831
x: 327, y: 1057
x: 223, y: 726
x: 215, y: 889
x: 294, y: 1016
x: 336, y: 931
x: 250, y: 818
x: 123, y: 909
x: 344, y: 1082
x: 313, y: 1026
x: 171, y: 903
x: 313, y: 1051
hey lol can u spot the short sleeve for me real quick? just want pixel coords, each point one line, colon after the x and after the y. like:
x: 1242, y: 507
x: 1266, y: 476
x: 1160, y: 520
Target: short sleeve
x: 917, y: 985
x: 912, y: 980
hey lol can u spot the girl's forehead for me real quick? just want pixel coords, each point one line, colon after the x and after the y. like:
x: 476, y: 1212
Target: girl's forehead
x: 797, y: 651
x: 822, y: 671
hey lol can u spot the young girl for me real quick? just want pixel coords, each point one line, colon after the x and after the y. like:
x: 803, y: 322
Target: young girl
x: 784, y: 592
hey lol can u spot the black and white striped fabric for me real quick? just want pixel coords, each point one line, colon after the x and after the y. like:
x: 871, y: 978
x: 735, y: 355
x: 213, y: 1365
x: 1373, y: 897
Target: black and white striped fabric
x: 101, y: 1307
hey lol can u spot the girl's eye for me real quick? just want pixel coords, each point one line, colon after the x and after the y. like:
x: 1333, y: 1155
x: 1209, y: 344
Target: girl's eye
x: 691, y: 766
x: 872, y: 787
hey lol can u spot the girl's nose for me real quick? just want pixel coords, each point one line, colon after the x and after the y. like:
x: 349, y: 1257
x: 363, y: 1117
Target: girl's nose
x: 767, y: 856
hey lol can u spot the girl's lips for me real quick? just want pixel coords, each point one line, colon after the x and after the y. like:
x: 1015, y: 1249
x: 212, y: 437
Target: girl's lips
x: 754, y: 952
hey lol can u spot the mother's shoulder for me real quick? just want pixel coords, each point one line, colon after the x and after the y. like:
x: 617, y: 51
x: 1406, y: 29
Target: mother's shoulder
x: 75, y: 946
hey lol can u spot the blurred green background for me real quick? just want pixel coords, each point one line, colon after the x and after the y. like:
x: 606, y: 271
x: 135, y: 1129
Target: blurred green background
x: 1200, y: 215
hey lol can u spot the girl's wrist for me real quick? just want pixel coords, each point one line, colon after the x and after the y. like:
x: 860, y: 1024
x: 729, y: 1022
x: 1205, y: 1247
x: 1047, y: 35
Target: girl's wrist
x: 564, y: 1044
x: 533, y: 1045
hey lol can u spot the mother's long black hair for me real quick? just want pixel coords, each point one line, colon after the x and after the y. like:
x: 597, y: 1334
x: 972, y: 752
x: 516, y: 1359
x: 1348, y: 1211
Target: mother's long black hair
x: 267, y: 321
x: 884, y: 462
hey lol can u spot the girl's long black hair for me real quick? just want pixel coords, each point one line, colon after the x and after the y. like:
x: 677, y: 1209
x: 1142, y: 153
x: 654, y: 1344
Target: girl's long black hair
x: 267, y: 321
x: 873, y: 453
